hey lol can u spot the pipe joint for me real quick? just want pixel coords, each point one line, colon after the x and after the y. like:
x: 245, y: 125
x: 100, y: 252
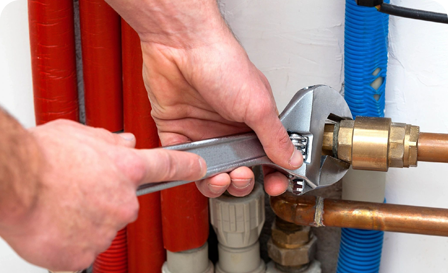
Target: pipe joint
x: 373, y: 143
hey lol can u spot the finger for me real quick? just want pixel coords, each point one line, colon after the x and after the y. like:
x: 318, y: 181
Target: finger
x: 214, y: 186
x: 122, y: 139
x: 168, y: 139
x: 158, y: 165
x: 129, y: 140
x: 243, y: 182
x: 275, y: 183
x: 273, y: 137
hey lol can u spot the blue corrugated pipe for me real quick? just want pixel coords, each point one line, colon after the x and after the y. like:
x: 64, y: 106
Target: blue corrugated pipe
x: 366, y: 32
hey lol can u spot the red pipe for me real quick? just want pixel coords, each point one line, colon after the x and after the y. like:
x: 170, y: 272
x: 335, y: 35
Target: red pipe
x: 53, y: 60
x: 145, y: 245
x: 184, y: 218
x: 101, y: 56
x: 113, y: 259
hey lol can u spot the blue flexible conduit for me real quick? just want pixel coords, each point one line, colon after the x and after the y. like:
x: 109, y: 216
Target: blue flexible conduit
x: 366, y: 32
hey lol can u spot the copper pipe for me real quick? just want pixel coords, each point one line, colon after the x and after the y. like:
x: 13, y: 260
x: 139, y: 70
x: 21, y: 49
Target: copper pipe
x: 433, y: 147
x: 317, y: 211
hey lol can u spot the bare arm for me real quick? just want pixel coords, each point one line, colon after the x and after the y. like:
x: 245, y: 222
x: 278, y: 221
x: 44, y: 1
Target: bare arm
x: 66, y: 189
x: 20, y: 160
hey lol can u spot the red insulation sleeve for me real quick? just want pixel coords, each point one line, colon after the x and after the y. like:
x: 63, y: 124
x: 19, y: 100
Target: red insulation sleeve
x: 184, y: 218
x: 113, y: 259
x: 101, y: 56
x: 145, y: 241
x: 53, y: 59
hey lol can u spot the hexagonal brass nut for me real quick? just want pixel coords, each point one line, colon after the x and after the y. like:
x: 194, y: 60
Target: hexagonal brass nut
x: 396, y: 144
x: 293, y: 257
x: 345, y: 140
x: 410, y: 146
x: 290, y: 239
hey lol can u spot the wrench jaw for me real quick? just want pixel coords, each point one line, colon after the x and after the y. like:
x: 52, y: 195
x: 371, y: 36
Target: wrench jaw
x: 306, y: 115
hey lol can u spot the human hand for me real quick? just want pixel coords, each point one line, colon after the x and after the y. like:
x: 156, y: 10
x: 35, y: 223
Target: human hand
x: 201, y: 85
x: 87, y: 192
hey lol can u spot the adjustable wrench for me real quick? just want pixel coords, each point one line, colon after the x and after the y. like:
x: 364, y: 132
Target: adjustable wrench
x: 304, y: 119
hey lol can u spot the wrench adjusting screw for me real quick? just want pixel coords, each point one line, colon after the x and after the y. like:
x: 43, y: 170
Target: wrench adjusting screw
x: 297, y: 185
x: 300, y: 142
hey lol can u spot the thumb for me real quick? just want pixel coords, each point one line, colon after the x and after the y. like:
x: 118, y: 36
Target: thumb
x: 166, y: 165
x: 274, y: 138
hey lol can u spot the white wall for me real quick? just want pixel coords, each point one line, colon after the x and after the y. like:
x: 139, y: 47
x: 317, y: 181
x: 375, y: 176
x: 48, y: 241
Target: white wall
x: 417, y: 92
x: 15, y: 94
x: 300, y: 43
x: 15, y: 65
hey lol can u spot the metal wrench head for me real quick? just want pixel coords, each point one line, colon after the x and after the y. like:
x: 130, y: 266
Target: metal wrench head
x: 306, y: 115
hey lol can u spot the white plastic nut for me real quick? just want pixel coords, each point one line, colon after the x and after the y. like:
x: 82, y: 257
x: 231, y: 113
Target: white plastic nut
x: 238, y: 221
x: 240, y: 260
x: 190, y: 261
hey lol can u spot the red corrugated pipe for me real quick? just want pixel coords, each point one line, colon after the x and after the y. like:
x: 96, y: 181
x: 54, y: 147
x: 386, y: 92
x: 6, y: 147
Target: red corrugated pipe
x: 113, y: 259
x: 101, y: 56
x: 145, y: 244
x: 52, y: 42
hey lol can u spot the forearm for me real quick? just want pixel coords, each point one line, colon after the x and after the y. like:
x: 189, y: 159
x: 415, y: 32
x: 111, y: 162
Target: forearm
x: 19, y: 167
x: 173, y: 23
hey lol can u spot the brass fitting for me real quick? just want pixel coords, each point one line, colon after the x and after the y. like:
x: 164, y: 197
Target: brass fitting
x: 288, y: 235
x: 293, y: 257
x: 373, y: 143
x: 291, y: 246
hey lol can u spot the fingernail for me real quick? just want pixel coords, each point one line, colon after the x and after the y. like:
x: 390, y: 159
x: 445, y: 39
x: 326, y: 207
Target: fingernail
x: 296, y: 159
x: 217, y: 189
x: 241, y: 183
x: 127, y: 136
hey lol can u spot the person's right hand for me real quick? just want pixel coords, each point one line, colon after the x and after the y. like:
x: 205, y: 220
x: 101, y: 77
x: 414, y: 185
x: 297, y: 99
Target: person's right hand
x: 86, y: 192
x: 202, y: 85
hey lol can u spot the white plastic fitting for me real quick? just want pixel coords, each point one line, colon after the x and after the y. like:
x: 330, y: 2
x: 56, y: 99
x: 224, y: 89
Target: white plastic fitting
x: 190, y: 261
x: 240, y: 260
x: 314, y: 267
x: 238, y: 221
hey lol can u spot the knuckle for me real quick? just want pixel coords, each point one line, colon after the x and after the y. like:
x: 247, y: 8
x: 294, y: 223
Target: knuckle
x: 62, y: 123
x: 134, y: 167
x: 103, y: 133
x: 283, y: 138
x: 130, y: 213
x: 167, y: 167
x: 258, y: 112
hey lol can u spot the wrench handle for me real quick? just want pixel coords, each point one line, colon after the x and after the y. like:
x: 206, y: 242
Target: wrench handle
x: 222, y: 155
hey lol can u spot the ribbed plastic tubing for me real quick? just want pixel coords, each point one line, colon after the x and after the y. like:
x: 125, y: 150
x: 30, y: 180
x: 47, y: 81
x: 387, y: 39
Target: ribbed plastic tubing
x: 366, y: 56
x: 366, y: 42
x: 360, y: 251
x: 113, y: 259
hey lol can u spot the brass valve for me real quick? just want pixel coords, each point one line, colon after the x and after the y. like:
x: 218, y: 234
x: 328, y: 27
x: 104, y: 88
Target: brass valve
x: 372, y: 143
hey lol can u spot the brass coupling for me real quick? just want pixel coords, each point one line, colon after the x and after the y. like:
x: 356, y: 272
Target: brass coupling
x: 291, y: 247
x: 372, y: 143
